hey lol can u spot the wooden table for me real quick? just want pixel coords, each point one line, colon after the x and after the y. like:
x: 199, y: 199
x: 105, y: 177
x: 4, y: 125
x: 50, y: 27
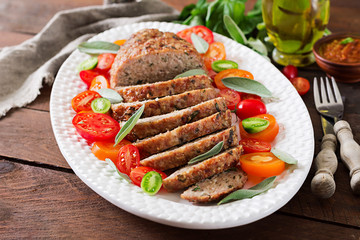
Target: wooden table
x: 41, y: 197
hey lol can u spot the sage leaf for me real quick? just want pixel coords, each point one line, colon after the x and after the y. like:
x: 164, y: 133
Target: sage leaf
x: 347, y: 40
x: 110, y: 94
x: 129, y: 125
x: 98, y: 47
x: 234, y: 31
x: 240, y: 194
x: 258, y: 46
x: 212, y: 152
x: 192, y: 72
x: 246, y: 85
x: 122, y: 175
x: 199, y: 43
x: 283, y: 156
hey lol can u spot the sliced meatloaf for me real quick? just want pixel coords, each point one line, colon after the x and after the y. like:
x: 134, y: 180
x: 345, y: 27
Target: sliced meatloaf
x: 214, y: 188
x: 192, y: 174
x: 147, y: 127
x: 182, y: 155
x: 150, y: 56
x: 183, y: 134
x: 123, y: 111
x: 143, y: 92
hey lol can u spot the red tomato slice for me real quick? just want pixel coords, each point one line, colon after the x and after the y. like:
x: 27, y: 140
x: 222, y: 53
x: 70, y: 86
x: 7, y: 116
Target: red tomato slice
x: 82, y: 101
x: 103, y: 150
x: 249, y: 108
x: 230, y: 73
x: 251, y: 145
x: 128, y: 159
x: 232, y: 97
x: 138, y: 173
x: 105, y: 61
x: 88, y: 75
x: 262, y: 164
x: 267, y: 135
x: 96, y: 126
x: 301, y: 84
x: 201, y: 31
x: 244, y: 96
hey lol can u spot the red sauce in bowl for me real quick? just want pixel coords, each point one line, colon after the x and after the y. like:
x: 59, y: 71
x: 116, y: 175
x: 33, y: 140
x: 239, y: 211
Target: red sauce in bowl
x: 337, y: 51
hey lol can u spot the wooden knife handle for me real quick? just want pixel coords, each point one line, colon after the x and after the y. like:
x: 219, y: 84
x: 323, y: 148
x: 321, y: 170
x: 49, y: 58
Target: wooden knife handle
x: 349, y: 153
x: 323, y: 184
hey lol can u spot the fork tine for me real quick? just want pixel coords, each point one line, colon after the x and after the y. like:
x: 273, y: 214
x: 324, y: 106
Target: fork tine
x: 316, y: 93
x: 329, y: 90
x: 323, y: 91
x: 336, y: 91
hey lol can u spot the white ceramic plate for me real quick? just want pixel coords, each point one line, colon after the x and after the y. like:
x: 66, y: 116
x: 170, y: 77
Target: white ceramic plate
x: 296, y: 137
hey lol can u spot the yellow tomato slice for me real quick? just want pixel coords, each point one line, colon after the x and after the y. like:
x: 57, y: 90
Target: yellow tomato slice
x: 262, y: 164
x: 103, y: 150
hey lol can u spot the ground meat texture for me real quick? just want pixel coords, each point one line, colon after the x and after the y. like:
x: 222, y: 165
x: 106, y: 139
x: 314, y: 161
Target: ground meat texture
x: 123, y: 111
x: 151, y: 126
x: 192, y: 174
x: 182, y: 155
x: 214, y: 188
x: 150, y: 56
x: 161, y: 89
x: 183, y: 134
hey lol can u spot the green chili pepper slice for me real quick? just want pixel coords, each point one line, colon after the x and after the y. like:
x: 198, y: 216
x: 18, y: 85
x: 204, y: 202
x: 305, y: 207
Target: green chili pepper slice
x: 220, y: 65
x: 255, y: 125
x: 101, y: 105
x: 88, y: 64
x: 151, y: 182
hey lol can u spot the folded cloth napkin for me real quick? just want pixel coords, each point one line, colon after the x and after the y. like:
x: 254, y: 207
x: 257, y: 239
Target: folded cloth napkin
x: 25, y: 67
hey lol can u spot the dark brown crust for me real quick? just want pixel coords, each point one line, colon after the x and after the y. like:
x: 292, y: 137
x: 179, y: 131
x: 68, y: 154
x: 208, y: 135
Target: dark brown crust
x: 214, y: 188
x: 161, y: 89
x: 146, y: 128
x: 182, y: 155
x: 123, y: 111
x: 192, y: 174
x: 183, y: 134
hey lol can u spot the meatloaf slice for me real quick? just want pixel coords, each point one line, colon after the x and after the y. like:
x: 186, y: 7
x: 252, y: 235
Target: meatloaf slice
x: 192, y: 174
x: 183, y: 134
x: 182, y: 155
x: 150, y: 56
x: 161, y: 89
x: 123, y: 111
x: 214, y: 188
x: 147, y: 127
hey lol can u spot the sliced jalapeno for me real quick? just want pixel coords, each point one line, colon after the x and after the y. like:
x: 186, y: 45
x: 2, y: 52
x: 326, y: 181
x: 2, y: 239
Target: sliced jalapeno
x: 255, y: 125
x: 100, y: 105
x: 151, y: 182
x: 88, y: 64
x: 220, y: 65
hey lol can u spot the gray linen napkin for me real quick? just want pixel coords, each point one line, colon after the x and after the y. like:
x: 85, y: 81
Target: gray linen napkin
x: 25, y: 67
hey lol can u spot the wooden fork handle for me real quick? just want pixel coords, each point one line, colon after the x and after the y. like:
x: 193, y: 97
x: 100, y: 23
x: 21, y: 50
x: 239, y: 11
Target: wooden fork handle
x: 323, y: 184
x: 349, y: 153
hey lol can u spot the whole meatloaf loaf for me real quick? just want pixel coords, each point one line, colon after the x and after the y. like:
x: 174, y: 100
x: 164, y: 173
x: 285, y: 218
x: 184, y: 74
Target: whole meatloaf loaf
x: 151, y: 56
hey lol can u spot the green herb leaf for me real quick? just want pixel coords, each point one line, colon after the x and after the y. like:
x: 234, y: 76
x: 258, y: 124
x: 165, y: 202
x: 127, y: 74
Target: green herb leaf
x: 199, y: 43
x: 212, y: 152
x: 192, y: 72
x: 327, y: 32
x: 258, y: 46
x: 246, y: 85
x: 89, y: 63
x: 283, y: 156
x: 347, y: 40
x: 122, y: 175
x: 129, y: 125
x: 234, y: 31
x: 251, y: 192
x: 98, y: 47
x: 110, y: 94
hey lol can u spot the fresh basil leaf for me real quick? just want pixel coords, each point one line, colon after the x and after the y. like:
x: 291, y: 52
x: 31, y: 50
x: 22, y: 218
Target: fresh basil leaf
x: 129, y: 125
x: 283, y: 156
x: 196, y: 20
x: 110, y: 94
x: 258, y: 46
x: 212, y: 152
x: 87, y: 64
x: 251, y: 192
x: 192, y: 72
x: 122, y: 175
x: 185, y: 13
x: 256, y: 11
x: 246, y: 85
x: 199, y: 43
x: 98, y: 47
x: 234, y: 31
x: 347, y: 40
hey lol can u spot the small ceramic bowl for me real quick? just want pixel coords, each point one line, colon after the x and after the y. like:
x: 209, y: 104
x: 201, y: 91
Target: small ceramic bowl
x: 342, y: 72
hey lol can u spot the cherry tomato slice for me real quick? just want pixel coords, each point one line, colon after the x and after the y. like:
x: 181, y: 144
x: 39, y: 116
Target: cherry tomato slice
x: 301, y: 84
x: 262, y: 164
x: 137, y: 174
x: 215, y: 52
x: 290, y: 72
x: 244, y: 96
x: 232, y: 97
x: 103, y: 150
x: 249, y: 108
x: 105, y: 61
x: 101, y: 105
x: 231, y: 73
x: 88, y: 75
x: 201, y: 31
x: 251, y: 145
x: 82, y: 101
x: 151, y: 182
x: 267, y: 135
x: 99, y: 82
x: 96, y: 126
x: 128, y: 159
x: 120, y: 42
